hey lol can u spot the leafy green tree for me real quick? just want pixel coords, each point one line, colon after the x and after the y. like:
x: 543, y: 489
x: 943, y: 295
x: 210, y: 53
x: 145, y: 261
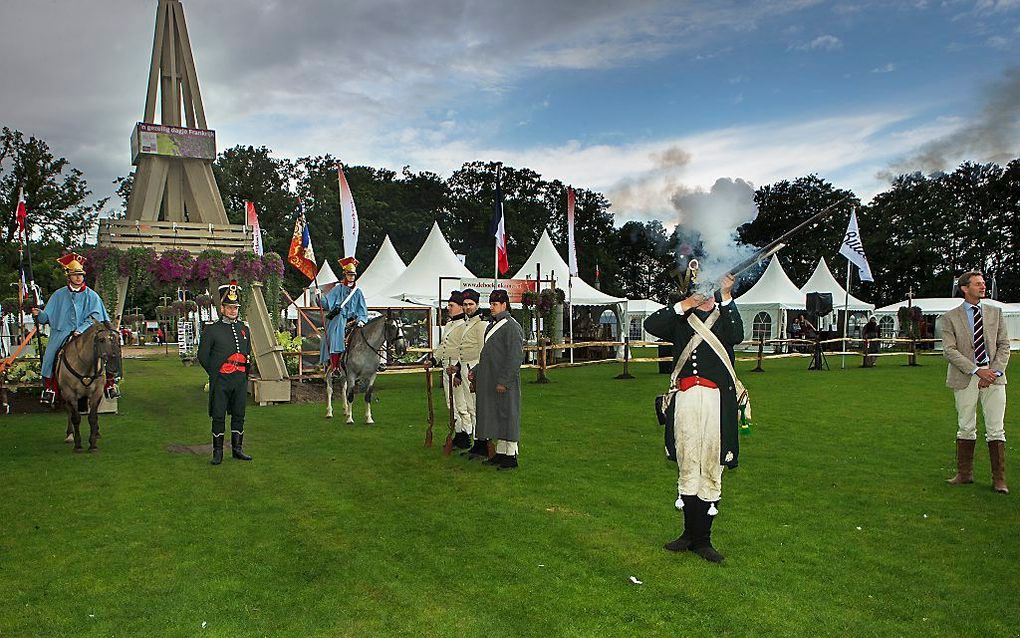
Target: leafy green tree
x: 56, y: 193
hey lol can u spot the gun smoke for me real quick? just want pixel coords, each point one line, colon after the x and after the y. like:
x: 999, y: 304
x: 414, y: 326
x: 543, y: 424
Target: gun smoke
x: 707, y: 225
x: 993, y: 137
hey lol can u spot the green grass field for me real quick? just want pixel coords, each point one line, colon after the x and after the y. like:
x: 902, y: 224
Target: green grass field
x: 837, y: 523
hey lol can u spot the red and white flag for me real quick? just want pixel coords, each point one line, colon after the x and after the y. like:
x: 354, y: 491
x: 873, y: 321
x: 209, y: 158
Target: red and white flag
x: 253, y: 221
x: 498, y: 229
x: 22, y: 215
x: 348, y: 214
x: 572, y: 247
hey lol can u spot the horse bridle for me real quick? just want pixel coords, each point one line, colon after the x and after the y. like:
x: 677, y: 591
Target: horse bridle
x: 386, y: 346
x: 85, y: 380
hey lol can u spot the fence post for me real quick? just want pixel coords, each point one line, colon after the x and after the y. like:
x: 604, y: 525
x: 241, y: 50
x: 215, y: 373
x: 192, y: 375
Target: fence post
x: 761, y: 355
x: 912, y: 360
x: 626, y: 360
x: 541, y: 378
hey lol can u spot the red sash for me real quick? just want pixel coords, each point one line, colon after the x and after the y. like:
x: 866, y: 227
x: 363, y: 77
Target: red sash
x: 234, y: 363
x: 687, y: 383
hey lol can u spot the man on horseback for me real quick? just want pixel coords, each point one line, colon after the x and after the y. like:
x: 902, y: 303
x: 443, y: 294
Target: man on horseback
x: 343, y: 304
x: 224, y: 350
x: 447, y: 356
x: 69, y: 313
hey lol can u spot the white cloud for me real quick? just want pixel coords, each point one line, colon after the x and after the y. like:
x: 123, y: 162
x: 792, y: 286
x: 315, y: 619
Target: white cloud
x: 888, y: 67
x: 999, y: 42
x: 822, y: 43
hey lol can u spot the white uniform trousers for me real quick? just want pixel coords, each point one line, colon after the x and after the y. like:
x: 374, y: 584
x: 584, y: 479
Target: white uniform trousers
x: 506, y: 447
x: 464, y: 402
x: 993, y: 406
x: 698, y: 442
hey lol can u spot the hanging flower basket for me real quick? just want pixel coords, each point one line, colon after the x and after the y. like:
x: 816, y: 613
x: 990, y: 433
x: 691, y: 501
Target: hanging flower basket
x: 204, y: 301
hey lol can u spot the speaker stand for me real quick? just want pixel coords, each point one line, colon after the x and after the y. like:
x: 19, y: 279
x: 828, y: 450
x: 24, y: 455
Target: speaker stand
x: 818, y: 361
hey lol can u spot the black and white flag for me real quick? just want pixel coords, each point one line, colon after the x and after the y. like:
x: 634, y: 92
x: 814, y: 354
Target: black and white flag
x: 853, y: 249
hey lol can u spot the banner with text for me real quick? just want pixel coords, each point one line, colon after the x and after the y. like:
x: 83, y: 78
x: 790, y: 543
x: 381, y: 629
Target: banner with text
x: 514, y: 287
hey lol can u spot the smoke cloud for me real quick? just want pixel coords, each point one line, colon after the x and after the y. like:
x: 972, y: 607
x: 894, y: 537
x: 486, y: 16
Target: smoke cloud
x: 707, y: 226
x: 993, y: 137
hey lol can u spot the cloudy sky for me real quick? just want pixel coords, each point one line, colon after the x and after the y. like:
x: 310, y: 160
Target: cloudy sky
x: 645, y: 100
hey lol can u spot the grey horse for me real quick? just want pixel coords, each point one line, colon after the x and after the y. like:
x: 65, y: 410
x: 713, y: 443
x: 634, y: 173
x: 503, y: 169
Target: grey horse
x: 80, y: 370
x: 359, y: 363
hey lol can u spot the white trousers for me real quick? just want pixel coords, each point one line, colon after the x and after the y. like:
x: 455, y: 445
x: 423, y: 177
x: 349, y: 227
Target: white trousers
x: 446, y: 394
x: 464, y: 402
x: 698, y: 443
x: 993, y: 406
x: 506, y: 447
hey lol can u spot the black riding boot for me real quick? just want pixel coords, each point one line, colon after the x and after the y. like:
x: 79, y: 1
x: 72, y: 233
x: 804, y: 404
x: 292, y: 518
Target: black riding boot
x: 217, y: 450
x: 702, y: 544
x: 236, y: 442
x: 683, y: 543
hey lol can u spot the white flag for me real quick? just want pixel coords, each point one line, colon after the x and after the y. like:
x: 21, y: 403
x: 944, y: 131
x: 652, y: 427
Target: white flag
x: 572, y: 247
x: 253, y: 221
x: 348, y: 215
x: 853, y: 249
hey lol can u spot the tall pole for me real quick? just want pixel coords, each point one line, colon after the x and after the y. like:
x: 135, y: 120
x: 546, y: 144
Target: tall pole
x: 570, y: 297
x: 846, y: 313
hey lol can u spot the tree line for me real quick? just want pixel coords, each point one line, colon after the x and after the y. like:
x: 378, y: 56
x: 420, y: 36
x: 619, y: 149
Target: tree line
x: 918, y: 234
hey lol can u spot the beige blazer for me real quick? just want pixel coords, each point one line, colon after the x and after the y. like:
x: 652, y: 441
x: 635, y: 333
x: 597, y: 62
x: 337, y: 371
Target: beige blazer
x: 958, y: 344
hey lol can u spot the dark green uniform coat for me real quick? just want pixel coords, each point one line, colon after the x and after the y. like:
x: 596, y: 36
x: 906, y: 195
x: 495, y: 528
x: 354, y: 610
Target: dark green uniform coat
x: 227, y: 392
x: 667, y: 325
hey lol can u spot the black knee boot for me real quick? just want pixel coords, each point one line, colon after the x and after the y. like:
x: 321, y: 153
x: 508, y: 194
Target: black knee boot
x: 702, y: 543
x: 217, y: 450
x: 683, y: 543
x: 236, y: 443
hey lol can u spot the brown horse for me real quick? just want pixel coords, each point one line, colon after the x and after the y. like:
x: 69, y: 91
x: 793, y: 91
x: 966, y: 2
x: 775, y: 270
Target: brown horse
x: 80, y: 370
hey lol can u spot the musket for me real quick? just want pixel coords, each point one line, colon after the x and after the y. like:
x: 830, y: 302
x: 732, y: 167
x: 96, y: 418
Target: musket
x: 428, y: 397
x: 448, y: 446
x: 780, y: 242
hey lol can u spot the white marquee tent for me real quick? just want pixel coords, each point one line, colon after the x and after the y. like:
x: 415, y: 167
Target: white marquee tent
x: 546, y: 256
x: 637, y: 311
x: 419, y: 282
x: 385, y: 267
x: 938, y: 306
x: 764, y: 307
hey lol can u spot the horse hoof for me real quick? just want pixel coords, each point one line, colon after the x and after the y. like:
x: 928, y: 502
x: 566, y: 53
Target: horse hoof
x: 370, y: 422
x: 93, y: 449
x: 79, y: 450
x: 69, y: 439
x: 329, y: 416
x: 350, y: 421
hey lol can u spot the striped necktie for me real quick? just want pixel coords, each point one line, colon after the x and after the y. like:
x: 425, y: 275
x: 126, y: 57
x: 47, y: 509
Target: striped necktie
x: 980, y: 355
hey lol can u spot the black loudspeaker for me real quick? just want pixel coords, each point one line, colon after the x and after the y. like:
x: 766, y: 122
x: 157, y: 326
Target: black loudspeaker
x: 819, y: 304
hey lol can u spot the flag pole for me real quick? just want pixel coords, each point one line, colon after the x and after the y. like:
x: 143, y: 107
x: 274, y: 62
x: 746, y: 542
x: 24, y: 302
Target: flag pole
x: 570, y: 297
x: 846, y: 312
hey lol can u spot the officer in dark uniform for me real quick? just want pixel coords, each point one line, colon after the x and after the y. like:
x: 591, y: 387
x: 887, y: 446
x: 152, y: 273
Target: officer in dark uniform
x: 224, y: 353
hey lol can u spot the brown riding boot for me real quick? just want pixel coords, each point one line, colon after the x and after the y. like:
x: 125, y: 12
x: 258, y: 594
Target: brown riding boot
x: 964, y: 462
x: 997, y: 453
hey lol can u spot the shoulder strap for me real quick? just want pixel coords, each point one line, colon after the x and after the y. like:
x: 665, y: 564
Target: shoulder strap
x: 692, y: 344
x: 347, y: 298
x: 706, y: 333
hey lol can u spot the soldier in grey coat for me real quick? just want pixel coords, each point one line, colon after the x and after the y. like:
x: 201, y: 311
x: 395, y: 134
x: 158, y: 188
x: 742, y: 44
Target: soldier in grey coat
x: 497, y: 381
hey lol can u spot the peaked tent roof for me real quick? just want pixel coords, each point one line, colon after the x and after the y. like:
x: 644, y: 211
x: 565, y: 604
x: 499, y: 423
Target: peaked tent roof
x: 821, y: 280
x: 385, y: 267
x: 942, y: 305
x: 773, y: 288
x: 420, y: 280
x: 545, y: 254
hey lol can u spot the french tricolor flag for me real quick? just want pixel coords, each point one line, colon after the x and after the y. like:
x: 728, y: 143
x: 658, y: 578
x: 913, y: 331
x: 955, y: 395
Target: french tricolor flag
x: 498, y: 229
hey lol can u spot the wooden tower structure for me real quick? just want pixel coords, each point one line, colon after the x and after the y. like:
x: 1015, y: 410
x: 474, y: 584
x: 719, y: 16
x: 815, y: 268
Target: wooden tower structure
x: 174, y: 201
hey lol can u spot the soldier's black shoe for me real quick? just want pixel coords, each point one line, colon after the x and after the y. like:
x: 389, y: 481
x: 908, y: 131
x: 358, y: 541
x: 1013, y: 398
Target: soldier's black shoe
x: 236, y: 445
x: 708, y: 553
x: 217, y: 450
x: 480, y: 450
x: 681, y: 544
x: 496, y: 460
x: 462, y: 441
x: 508, y: 463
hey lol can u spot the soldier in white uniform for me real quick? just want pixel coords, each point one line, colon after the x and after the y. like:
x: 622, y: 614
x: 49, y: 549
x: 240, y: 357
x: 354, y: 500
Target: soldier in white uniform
x: 447, y: 354
x: 470, y: 352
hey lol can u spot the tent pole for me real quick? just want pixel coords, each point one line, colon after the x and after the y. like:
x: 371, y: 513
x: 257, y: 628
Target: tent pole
x: 570, y: 304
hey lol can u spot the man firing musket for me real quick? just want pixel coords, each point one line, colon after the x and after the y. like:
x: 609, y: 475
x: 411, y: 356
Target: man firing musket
x: 705, y: 396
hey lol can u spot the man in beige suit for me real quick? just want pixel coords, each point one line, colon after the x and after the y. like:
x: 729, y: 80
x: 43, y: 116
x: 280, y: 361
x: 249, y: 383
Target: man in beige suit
x: 975, y: 342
